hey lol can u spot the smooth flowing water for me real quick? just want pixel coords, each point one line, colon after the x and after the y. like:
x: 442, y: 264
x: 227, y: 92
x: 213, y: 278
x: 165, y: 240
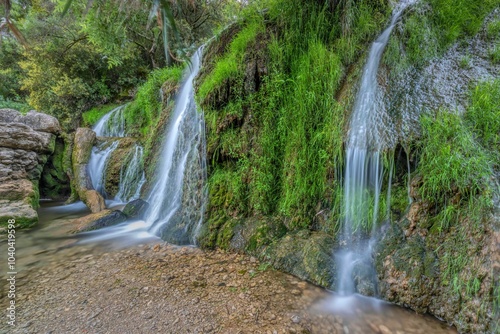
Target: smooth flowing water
x: 184, y: 140
x: 132, y: 177
x: 112, y: 124
x: 370, y: 132
x: 97, y: 164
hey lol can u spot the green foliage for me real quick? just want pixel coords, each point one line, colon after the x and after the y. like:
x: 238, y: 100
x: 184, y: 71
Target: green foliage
x: 19, y: 106
x: 64, y: 74
x: 483, y: 116
x: 494, y: 54
x: 230, y: 65
x: 451, y: 161
x: 10, y: 72
x: 143, y: 113
x: 93, y: 115
x: 285, y: 137
x: 456, y: 18
x: 493, y: 29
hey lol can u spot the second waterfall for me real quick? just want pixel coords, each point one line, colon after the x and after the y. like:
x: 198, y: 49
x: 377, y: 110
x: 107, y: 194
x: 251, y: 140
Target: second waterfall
x: 370, y: 132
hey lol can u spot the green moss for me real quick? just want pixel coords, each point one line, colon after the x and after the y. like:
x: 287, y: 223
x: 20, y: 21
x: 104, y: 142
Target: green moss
x: 21, y: 223
x: 229, y: 66
x: 493, y: 29
x: 142, y: 114
x: 91, y: 117
x: 457, y: 18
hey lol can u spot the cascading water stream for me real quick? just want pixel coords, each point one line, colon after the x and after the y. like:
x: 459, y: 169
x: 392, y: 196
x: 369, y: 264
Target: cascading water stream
x: 112, y: 125
x: 97, y: 164
x: 370, y: 132
x: 132, y: 177
x: 183, y: 145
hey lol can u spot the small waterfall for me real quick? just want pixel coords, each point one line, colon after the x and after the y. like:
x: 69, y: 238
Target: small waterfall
x: 132, y: 177
x: 112, y: 124
x: 183, y: 146
x: 371, y: 131
x: 97, y: 164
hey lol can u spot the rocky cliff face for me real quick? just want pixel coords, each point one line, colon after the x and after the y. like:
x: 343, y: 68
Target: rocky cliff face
x: 26, y: 142
x: 451, y: 274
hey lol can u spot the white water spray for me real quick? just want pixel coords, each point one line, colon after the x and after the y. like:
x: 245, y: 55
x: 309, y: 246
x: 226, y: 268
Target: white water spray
x: 184, y: 138
x: 370, y: 132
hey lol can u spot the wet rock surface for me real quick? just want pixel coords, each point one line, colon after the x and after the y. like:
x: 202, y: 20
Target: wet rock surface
x: 99, y: 220
x: 412, y: 268
x: 135, y: 208
x: 26, y: 141
x: 118, y: 158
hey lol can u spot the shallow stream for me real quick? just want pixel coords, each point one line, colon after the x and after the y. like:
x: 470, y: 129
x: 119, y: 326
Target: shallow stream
x: 48, y: 247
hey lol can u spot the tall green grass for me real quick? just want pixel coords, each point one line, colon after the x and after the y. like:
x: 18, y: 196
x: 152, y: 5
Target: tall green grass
x: 483, y: 116
x: 285, y: 140
x: 142, y: 113
x: 454, y: 167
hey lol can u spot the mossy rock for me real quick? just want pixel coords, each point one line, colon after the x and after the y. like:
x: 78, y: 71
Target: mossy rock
x: 118, y: 158
x: 54, y: 182
x: 135, y: 208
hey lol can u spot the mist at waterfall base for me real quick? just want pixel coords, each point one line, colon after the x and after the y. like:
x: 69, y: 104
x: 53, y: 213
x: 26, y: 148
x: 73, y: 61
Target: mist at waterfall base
x: 181, y: 163
x: 370, y: 132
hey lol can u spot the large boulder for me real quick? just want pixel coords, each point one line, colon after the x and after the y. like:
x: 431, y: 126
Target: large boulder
x: 26, y: 141
x: 83, y: 142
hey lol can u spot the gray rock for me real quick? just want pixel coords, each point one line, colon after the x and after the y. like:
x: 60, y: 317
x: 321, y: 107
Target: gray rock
x: 83, y: 142
x: 21, y: 136
x: 25, y: 144
x: 10, y: 116
x: 42, y: 122
x: 99, y: 220
x: 136, y: 208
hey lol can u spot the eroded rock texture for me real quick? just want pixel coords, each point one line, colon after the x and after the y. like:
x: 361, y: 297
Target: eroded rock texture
x: 26, y: 142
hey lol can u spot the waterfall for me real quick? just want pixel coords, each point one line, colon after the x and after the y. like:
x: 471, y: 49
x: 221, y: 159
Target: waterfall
x: 112, y: 124
x: 182, y: 154
x: 132, y: 177
x: 371, y: 131
x: 97, y: 164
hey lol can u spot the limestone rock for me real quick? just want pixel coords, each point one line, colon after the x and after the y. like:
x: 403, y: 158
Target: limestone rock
x: 10, y: 116
x: 84, y: 140
x: 99, y: 220
x: 41, y: 122
x: 25, y: 144
x: 22, y: 213
x: 93, y: 200
x: 118, y: 158
x: 16, y: 190
x: 21, y: 136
